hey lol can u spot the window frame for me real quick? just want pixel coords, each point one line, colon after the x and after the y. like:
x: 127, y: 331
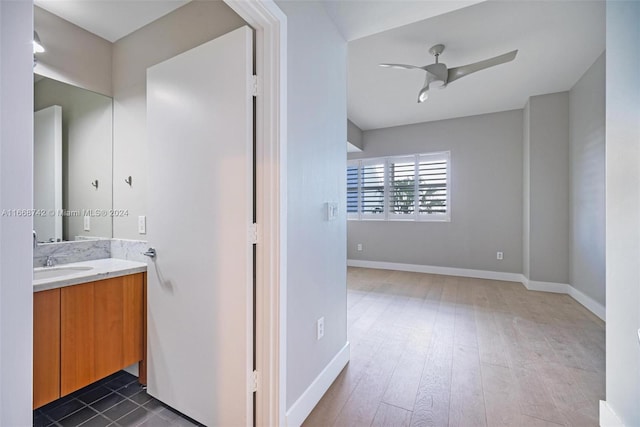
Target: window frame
x: 387, y: 214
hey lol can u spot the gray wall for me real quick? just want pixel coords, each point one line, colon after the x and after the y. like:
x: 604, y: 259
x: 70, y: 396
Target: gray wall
x: 73, y: 55
x: 316, y: 258
x: 486, y: 196
x: 185, y: 28
x: 78, y: 57
x: 623, y: 209
x: 587, y: 205
x: 16, y: 170
x: 549, y: 188
x: 354, y: 134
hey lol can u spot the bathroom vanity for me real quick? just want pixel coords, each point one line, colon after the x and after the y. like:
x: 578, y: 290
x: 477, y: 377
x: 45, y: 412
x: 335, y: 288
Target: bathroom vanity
x: 89, y: 321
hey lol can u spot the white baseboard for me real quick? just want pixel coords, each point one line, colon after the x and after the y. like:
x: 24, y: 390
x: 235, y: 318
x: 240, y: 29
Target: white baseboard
x: 432, y: 269
x: 564, y: 288
x: 608, y: 418
x: 301, y: 409
x: 589, y: 303
x: 532, y: 285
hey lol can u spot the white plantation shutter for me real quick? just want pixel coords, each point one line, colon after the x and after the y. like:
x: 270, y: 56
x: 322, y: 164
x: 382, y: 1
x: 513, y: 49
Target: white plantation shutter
x: 352, y: 190
x: 402, y: 188
x: 433, y: 184
x: 415, y: 188
x: 372, y: 189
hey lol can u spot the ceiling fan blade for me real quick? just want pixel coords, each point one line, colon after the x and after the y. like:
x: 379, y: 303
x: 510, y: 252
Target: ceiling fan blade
x: 458, y: 72
x: 401, y: 66
x: 424, y: 92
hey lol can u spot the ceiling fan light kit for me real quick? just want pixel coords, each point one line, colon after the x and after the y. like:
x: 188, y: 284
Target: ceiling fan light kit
x: 438, y: 75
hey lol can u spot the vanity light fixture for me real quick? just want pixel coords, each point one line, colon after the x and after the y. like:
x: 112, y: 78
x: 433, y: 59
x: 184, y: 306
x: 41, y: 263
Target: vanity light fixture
x: 38, y: 47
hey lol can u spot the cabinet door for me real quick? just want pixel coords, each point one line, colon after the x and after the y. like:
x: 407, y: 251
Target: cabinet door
x: 78, y: 337
x: 118, y: 323
x: 102, y: 329
x: 46, y: 347
x: 133, y: 321
x: 108, y: 342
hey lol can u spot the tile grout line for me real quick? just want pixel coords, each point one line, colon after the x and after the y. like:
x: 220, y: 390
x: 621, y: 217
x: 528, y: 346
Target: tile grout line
x: 121, y: 393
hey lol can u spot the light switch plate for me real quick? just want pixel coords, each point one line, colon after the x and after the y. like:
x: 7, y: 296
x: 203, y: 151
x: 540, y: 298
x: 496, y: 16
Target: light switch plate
x: 142, y: 224
x: 332, y: 210
x: 320, y: 328
x: 87, y: 223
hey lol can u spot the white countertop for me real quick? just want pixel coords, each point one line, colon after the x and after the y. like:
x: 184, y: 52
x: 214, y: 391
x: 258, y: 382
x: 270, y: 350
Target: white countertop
x: 101, y: 269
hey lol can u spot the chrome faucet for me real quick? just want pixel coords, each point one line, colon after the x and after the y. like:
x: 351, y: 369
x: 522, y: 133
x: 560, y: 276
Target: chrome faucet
x: 50, y: 262
x: 35, y: 239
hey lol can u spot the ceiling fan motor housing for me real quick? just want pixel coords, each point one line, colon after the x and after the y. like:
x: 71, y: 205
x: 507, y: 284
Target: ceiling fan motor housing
x: 439, y: 72
x: 436, y: 50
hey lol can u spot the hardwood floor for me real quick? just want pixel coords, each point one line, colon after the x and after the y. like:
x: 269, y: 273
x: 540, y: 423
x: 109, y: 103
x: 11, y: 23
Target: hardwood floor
x: 429, y: 350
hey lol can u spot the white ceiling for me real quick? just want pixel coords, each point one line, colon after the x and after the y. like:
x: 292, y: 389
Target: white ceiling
x: 114, y: 19
x: 557, y: 42
x: 356, y: 19
x: 110, y: 19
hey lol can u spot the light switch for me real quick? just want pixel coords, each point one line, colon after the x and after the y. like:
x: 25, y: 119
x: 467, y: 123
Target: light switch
x: 142, y: 224
x: 87, y: 223
x: 332, y: 211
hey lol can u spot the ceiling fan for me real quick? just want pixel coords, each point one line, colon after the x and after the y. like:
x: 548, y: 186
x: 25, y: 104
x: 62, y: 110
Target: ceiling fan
x: 438, y: 75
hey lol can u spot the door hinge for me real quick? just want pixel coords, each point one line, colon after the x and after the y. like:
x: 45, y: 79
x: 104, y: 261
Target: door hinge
x: 253, y: 234
x: 254, y: 381
x: 254, y: 85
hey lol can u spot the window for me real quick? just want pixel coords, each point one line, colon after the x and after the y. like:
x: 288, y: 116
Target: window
x: 414, y: 188
x: 402, y: 173
x: 371, y: 194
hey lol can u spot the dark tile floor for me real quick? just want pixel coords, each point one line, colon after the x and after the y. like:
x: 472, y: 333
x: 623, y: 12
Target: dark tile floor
x: 117, y: 400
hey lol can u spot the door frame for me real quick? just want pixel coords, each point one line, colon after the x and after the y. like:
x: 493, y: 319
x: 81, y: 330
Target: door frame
x: 270, y: 25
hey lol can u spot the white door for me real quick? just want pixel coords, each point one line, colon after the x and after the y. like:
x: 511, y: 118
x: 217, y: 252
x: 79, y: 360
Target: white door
x: 47, y: 173
x: 200, y: 207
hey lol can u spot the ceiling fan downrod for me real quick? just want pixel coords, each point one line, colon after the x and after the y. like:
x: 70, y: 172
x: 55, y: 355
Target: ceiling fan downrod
x: 436, y: 51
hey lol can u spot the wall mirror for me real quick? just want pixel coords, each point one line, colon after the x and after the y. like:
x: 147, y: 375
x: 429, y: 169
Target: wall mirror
x: 73, y: 162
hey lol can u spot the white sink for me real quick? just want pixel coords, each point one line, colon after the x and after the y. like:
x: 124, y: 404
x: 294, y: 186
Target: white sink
x: 51, y: 272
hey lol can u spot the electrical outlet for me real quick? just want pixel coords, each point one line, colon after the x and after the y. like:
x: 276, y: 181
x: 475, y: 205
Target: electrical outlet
x: 142, y: 224
x: 359, y: 247
x: 320, y: 328
x: 87, y: 223
x: 499, y: 255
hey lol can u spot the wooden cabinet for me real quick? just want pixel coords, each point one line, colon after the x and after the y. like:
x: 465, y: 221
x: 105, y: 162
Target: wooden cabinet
x: 133, y: 320
x: 46, y: 347
x: 101, y: 327
x: 100, y: 331
x: 77, y: 337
